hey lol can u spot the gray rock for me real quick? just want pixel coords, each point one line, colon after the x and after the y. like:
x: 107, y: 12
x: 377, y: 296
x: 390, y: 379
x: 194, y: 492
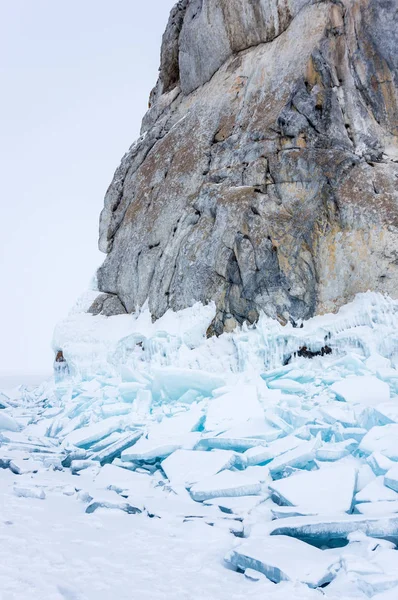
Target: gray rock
x: 266, y: 175
x: 107, y: 305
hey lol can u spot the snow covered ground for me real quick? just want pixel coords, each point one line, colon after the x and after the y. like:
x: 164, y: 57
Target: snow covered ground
x: 169, y: 465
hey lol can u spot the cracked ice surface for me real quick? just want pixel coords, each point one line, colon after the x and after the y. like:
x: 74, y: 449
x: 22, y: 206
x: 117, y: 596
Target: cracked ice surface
x: 169, y: 465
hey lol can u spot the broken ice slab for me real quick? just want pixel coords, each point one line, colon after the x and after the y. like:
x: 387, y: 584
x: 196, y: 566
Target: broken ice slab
x: 288, y: 386
x: 383, y: 439
x: 114, y: 450
x: 74, y: 455
x: 85, y: 436
x: 120, y: 480
x: 240, y: 505
x: 336, y: 412
x: 149, y: 449
x: 7, y: 423
x: 180, y: 423
x: 115, y: 409
x: 29, y: 492
x: 142, y: 403
x: 334, y: 452
x: 3, y: 401
x: 106, y: 441
x: 351, y: 433
x: 299, y: 457
x: 322, y: 531
x: 391, y: 478
x: 225, y: 484
x: 222, y: 442
x: 24, y: 465
x: 377, y: 508
x: 186, y: 467
x: 81, y: 465
x: 234, y: 408
x: 128, y: 390
x: 283, y: 512
x: 366, y: 390
x: 111, y: 500
x: 174, y: 382
x: 326, y: 491
x: 283, y: 558
x: 387, y: 412
x: 255, y: 428
x: 379, y: 463
x: 258, y: 455
x: 376, y: 491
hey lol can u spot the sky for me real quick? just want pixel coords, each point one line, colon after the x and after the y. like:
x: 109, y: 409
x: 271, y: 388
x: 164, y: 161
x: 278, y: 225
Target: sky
x: 76, y: 77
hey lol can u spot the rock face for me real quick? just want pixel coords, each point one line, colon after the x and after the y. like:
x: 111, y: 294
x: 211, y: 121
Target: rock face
x: 266, y: 176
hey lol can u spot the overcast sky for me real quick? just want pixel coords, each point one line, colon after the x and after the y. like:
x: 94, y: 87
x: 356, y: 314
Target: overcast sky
x: 75, y: 81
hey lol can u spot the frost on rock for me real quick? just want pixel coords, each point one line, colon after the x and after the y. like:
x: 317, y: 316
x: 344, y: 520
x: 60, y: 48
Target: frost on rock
x: 236, y: 436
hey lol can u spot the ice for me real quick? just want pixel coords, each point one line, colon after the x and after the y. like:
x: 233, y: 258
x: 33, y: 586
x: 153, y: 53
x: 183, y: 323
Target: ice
x: 379, y: 463
x: 376, y: 491
x: 175, y: 382
x: 288, y: 386
x: 129, y: 390
x: 327, y: 491
x: 233, y: 409
x: 29, y: 492
x: 148, y: 449
x: 383, y: 439
x: 258, y: 455
x: 215, y: 443
x: 114, y: 450
x: 387, y: 412
x: 337, y: 413
x: 111, y: 477
x: 240, y: 505
x: 115, y: 409
x: 111, y: 500
x: 391, y: 478
x: 299, y: 457
x: 226, y: 484
x: 366, y: 390
x: 80, y: 465
x: 186, y: 467
x: 224, y: 442
x: 320, y: 531
x: 377, y: 508
x: 7, y: 423
x: 337, y: 451
x: 283, y: 558
x: 85, y: 436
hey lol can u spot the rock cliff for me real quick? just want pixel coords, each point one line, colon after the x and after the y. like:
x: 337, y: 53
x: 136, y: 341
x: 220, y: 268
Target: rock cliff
x: 266, y: 175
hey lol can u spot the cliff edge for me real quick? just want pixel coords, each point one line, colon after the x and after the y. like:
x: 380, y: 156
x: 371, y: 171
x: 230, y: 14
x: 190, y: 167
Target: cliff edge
x: 266, y: 175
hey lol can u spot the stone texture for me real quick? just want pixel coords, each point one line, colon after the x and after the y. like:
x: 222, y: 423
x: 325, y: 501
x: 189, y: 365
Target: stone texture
x: 266, y: 176
x: 107, y: 305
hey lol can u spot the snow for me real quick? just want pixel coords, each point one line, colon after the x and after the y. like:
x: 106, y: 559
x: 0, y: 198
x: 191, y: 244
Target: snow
x: 138, y: 472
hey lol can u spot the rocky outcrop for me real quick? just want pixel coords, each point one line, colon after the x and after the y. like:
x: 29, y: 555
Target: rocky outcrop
x: 266, y: 176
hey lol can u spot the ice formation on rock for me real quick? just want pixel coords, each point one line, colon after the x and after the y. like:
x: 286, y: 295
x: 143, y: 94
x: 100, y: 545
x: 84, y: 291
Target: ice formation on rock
x: 157, y: 422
